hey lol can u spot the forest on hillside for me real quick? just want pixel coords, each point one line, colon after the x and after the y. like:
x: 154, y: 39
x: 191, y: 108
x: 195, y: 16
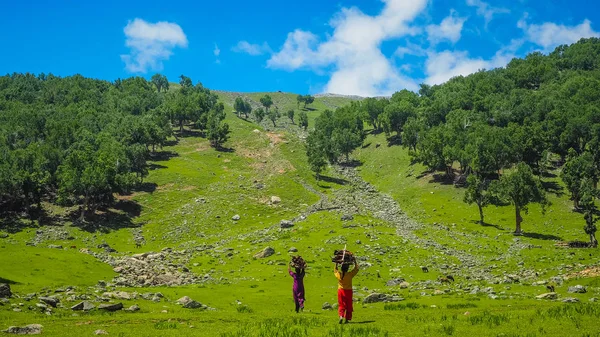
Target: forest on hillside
x: 77, y: 141
x: 497, y: 133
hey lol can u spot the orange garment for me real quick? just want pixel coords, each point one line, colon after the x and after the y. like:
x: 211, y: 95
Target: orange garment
x: 346, y: 281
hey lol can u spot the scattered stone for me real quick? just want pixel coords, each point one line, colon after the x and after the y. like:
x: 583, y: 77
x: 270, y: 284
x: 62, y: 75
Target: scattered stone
x: 358, y: 242
x: 183, y: 300
x: 578, y: 289
x: 293, y: 250
x: 268, y: 251
x: 377, y: 297
x: 111, y: 306
x: 41, y: 306
x: 51, y: 301
x: 133, y: 308
x: 31, y: 329
x: 55, y: 246
x: 235, y: 217
x: 570, y: 300
x: 5, y: 290
x: 593, y: 299
x: 493, y: 296
x: 438, y: 292
x: 275, y: 200
x: 347, y: 217
x: 3, y: 235
x: 193, y: 305
x: 395, y: 282
x: 547, y: 296
x: 100, y: 332
x: 326, y: 306
x: 286, y: 224
x: 85, y: 306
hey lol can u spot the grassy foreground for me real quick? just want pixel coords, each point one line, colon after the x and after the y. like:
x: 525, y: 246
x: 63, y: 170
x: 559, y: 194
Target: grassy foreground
x: 194, y: 191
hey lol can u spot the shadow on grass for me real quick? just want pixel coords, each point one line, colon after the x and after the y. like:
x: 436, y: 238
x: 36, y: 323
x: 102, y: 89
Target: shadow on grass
x: 106, y: 220
x: 163, y: 155
x: 225, y: 149
x: 351, y: 163
x: 553, y: 187
x: 542, y: 236
x: 153, y: 166
x: 485, y: 224
x: 442, y: 179
x: 5, y: 280
x: 361, y: 322
x: 394, y: 140
x: 366, y: 145
x: 333, y: 180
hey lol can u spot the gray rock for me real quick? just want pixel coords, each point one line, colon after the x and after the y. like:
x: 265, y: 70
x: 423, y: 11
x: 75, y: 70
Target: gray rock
x: 395, y: 282
x: 235, y: 217
x: 358, y: 242
x: 547, y: 296
x: 133, y: 308
x: 326, y: 306
x: 85, y: 306
x: 41, y: 306
x: 347, y: 217
x: 593, y: 299
x: 570, y: 300
x: 293, y: 250
x: 493, y: 296
x: 5, y: 290
x: 52, y: 301
x: 100, y: 332
x: 31, y: 329
x: 275, y: 200
x: 111, y: 306
x: 376, y: 297
x: 3, y: 235
x: 578, y: 289
x: 286, y: 224
x: 268, y: 251
x: 55, y: 246
x: 193, y: 305
x: 183, y: 300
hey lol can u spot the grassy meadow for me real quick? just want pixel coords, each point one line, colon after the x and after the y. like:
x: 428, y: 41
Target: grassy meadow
x: 192, y: 193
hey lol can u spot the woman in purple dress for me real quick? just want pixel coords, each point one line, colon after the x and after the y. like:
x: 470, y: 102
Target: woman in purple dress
x: 298, y: 286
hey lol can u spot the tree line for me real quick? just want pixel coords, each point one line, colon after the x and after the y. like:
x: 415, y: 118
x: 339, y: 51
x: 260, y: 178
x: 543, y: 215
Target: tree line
x: 497, y: 133
x: 243, y: 107
x: 78, y: 141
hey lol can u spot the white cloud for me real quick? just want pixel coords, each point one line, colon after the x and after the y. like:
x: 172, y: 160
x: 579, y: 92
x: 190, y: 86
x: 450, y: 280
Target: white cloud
x: 251, y: 49
x: 150, y: 44
x: 549, y: 35
x: 353, y: 50
x: 217, y: 51
x: 442, y: 66
x: 449, y: 29
x: 485, y: 10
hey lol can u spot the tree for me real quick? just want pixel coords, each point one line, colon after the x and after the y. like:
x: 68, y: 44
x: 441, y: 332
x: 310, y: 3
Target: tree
x: 520, y: 188
x: 303, y: 119
x: 588, y: 205
x: 477, y: 192
x: 308, y: 99
x: 290, y: 115
x: 266, y: 101
x: 185, y: 81
x: 576, y: 169
x: 345, y: 140
x: 317, y: 162
x: 242, y: 107
x: 259, y: 115
x: 299, y: 99
x: 217, y: 132
x: 273, y: 115
x: 372, y: 109
x: 395, y: 115
x: 410, y: 136
x: 160, y: 82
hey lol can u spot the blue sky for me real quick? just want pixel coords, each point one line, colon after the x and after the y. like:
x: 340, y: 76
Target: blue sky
x: 348, y: 47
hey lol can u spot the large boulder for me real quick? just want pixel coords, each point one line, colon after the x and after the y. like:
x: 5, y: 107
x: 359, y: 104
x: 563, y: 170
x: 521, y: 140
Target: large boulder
x: 347, y: 217
x: 51, y: 301
x: 275, y: 200
x: 286, y: 224
x: 268, y: 251
x: 578, y: 289
x: 111, y: 306
x: 183, y: 300
x: 376, y: 297
x: 547, y: 296
x: 5, y: 290
x: 193, y: 305
x: 133, y: 308
x: 31, y: 329
x: 83, y: 306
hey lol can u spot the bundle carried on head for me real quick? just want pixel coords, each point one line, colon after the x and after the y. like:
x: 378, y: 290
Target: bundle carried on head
x: 342, y: 257
x: 298, y: 262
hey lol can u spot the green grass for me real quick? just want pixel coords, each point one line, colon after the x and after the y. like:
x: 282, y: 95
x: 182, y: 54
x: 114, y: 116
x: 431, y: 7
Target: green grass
x: 198, y: 190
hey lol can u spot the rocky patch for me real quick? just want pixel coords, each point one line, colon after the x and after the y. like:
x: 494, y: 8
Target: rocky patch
x: 31, y: 329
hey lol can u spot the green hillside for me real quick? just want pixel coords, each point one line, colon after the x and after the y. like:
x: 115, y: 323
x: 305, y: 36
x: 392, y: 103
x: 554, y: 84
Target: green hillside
x: 196, y: 223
